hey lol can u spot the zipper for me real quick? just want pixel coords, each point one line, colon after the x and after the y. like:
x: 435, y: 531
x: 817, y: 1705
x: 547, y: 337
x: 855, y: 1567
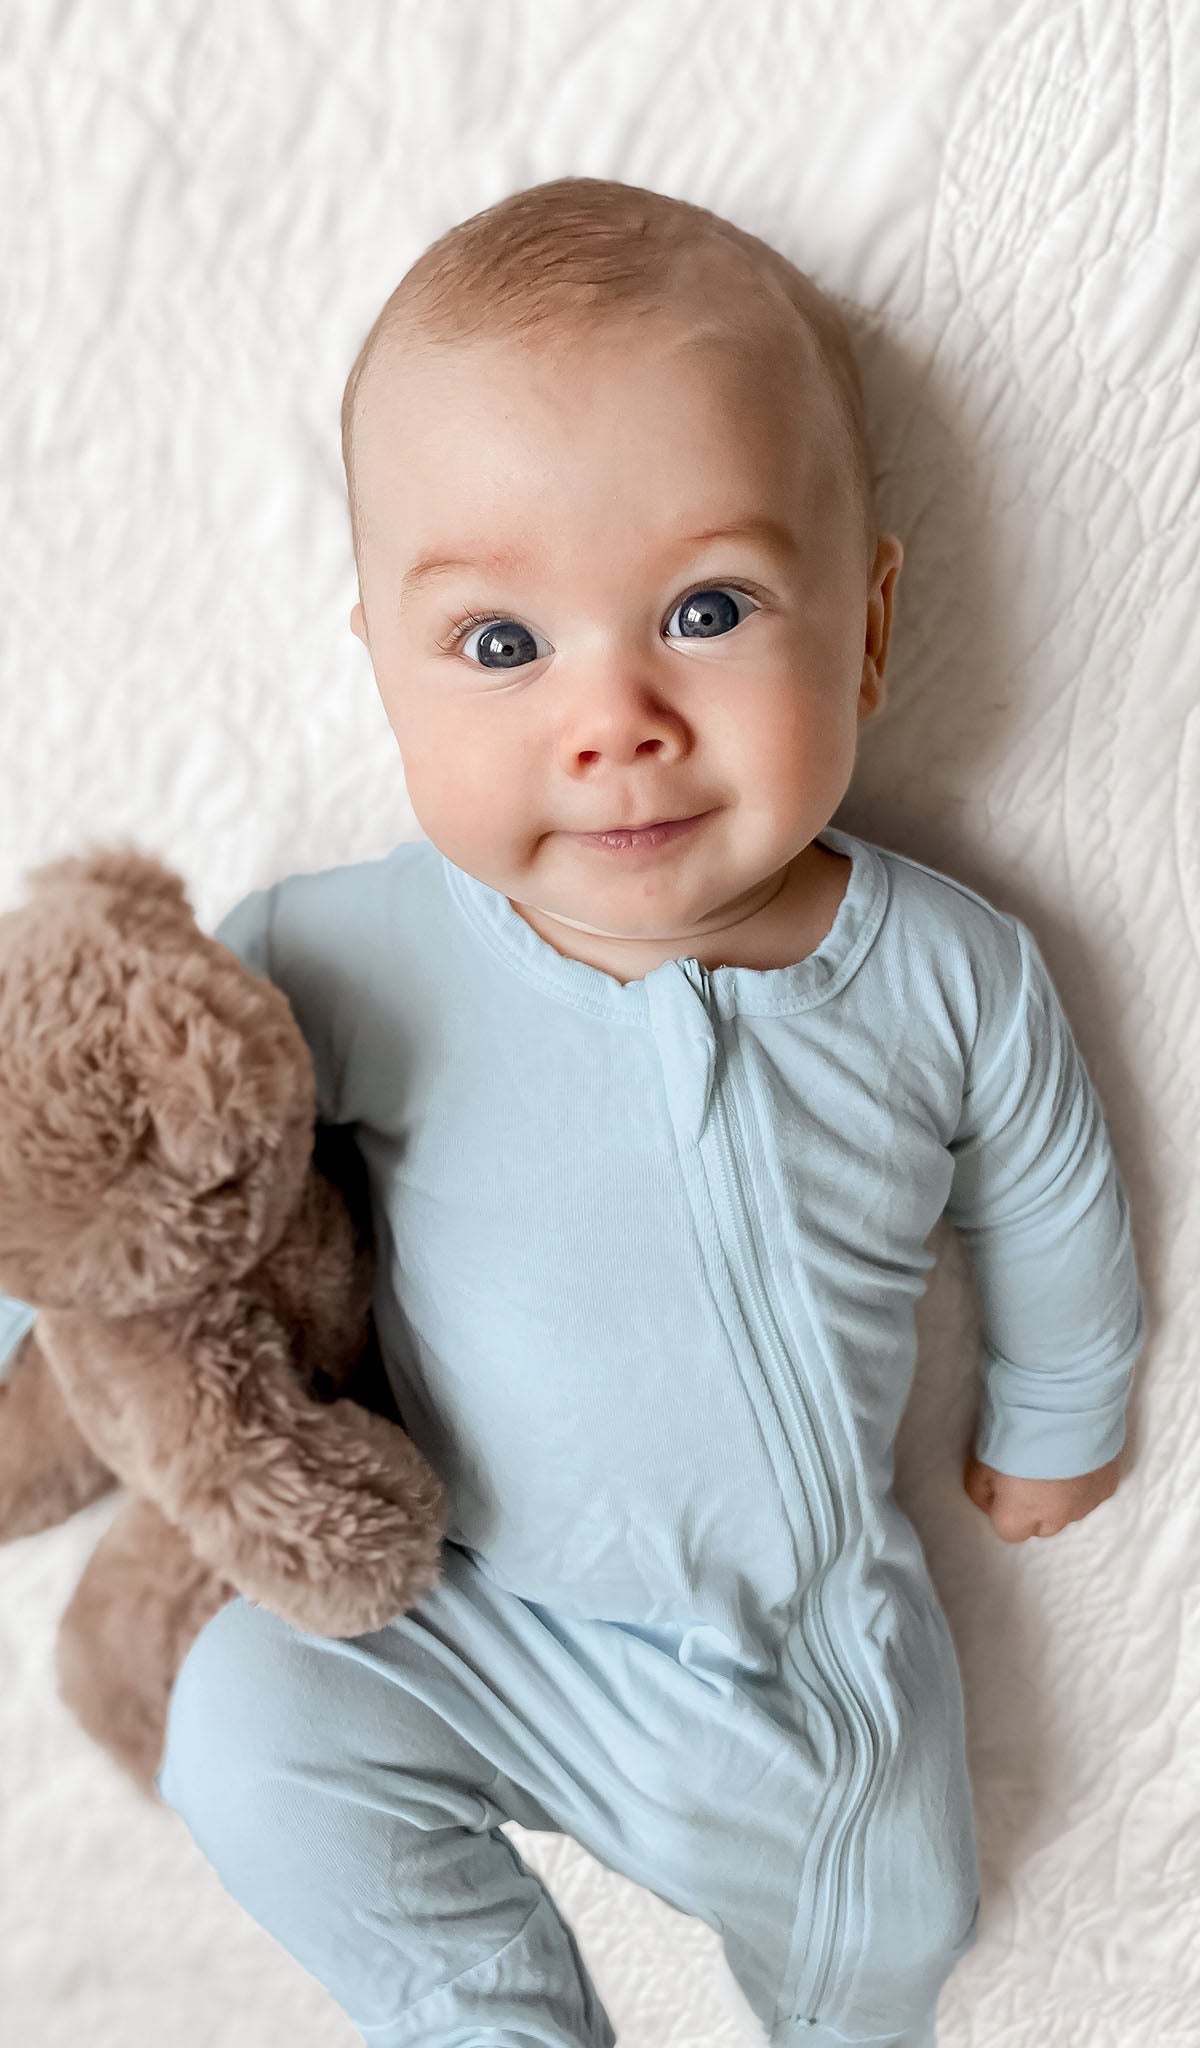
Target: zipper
x: 833, y: 1858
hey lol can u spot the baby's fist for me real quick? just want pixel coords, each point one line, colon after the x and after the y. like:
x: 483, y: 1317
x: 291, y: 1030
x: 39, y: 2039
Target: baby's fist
x: 1036, y: 1507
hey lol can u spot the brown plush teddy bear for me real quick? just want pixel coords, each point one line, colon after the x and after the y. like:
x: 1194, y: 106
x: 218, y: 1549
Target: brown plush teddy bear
x: 198, y: 1255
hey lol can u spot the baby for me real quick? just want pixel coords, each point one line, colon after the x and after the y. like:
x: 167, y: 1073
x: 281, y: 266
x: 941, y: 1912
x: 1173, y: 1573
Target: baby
x: 662, y: 1083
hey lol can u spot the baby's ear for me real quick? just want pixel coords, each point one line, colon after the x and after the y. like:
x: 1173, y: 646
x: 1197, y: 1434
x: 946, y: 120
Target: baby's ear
x: 358, y: 623
x: 872, y: 698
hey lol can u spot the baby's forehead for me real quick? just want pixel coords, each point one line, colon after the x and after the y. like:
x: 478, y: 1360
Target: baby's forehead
x: 420, y: 385
x: 443, y: 412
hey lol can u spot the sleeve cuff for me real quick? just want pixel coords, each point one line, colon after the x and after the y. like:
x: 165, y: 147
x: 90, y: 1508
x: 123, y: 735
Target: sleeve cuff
x: 16, y: 1318
x: 1030, y: 1443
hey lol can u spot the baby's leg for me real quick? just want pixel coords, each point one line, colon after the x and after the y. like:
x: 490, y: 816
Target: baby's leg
x: 354, y: 1823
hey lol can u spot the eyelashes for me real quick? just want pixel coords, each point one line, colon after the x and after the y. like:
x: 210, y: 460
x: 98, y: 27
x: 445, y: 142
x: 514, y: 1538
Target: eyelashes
x: 461, y: 626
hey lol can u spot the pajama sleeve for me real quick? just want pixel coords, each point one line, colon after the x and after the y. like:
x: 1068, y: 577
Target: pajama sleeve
x: 1038, y: 1198
x: 271, y: 934
x: 16, y: 1317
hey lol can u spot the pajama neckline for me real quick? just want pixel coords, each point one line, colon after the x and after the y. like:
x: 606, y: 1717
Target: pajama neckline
x: 745, y: 991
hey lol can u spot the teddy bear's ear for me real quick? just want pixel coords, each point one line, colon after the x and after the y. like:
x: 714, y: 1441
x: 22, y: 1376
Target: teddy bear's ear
x: 178, y: 1050
x: 221, y: 1068
x: 139, y: 894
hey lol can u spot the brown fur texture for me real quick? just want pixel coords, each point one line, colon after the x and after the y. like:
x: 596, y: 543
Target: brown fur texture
x: 198, y: 1253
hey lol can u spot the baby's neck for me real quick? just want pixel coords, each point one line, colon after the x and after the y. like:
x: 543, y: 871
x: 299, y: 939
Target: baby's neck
x: 789, y: 927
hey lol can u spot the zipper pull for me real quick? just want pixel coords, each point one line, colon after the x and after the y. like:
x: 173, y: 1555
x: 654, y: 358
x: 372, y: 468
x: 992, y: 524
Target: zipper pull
x: 689, y: 1046
x: 698, y: 976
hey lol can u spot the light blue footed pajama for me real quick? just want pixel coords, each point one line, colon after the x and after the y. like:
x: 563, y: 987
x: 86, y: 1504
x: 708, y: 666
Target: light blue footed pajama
x: 649, y: 1256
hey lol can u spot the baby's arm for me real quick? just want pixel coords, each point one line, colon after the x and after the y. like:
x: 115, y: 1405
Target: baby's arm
x: 1039, y: 1200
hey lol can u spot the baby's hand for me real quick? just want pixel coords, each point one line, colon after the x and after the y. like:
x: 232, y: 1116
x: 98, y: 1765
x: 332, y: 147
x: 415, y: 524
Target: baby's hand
x: 1036, y: 1507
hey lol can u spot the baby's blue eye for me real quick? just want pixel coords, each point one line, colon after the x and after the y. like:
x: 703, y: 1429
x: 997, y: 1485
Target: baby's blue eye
x: 708, y: 613
x: 506, y: 643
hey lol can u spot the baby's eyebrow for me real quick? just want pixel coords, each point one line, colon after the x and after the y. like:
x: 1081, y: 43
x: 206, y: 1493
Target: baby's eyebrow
x: 771, y: 534
x: 427, y: 566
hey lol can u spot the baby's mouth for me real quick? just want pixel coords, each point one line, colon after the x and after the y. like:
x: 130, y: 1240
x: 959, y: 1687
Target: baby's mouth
x: 645, y: 837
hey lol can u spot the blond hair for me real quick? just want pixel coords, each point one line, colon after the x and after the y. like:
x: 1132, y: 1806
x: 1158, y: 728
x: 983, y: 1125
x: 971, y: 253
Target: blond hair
x: 554, y: 258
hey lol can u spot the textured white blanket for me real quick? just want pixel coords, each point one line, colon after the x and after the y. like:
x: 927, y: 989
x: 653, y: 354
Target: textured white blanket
x: 204, y: 207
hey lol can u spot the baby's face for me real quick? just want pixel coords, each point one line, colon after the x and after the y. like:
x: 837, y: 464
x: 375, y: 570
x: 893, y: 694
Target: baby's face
x: 669, y: 614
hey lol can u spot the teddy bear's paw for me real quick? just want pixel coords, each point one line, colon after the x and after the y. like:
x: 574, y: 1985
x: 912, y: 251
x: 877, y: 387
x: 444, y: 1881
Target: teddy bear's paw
x: 336, y: 1527
x: 360, y: 1540
x: 354, y: 1602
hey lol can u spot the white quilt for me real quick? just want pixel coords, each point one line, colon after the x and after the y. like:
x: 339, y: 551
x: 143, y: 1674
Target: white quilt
x: 204, y: 207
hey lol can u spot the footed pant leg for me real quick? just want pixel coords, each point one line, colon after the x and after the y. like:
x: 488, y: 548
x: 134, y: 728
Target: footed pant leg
x: 355, y: 1824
